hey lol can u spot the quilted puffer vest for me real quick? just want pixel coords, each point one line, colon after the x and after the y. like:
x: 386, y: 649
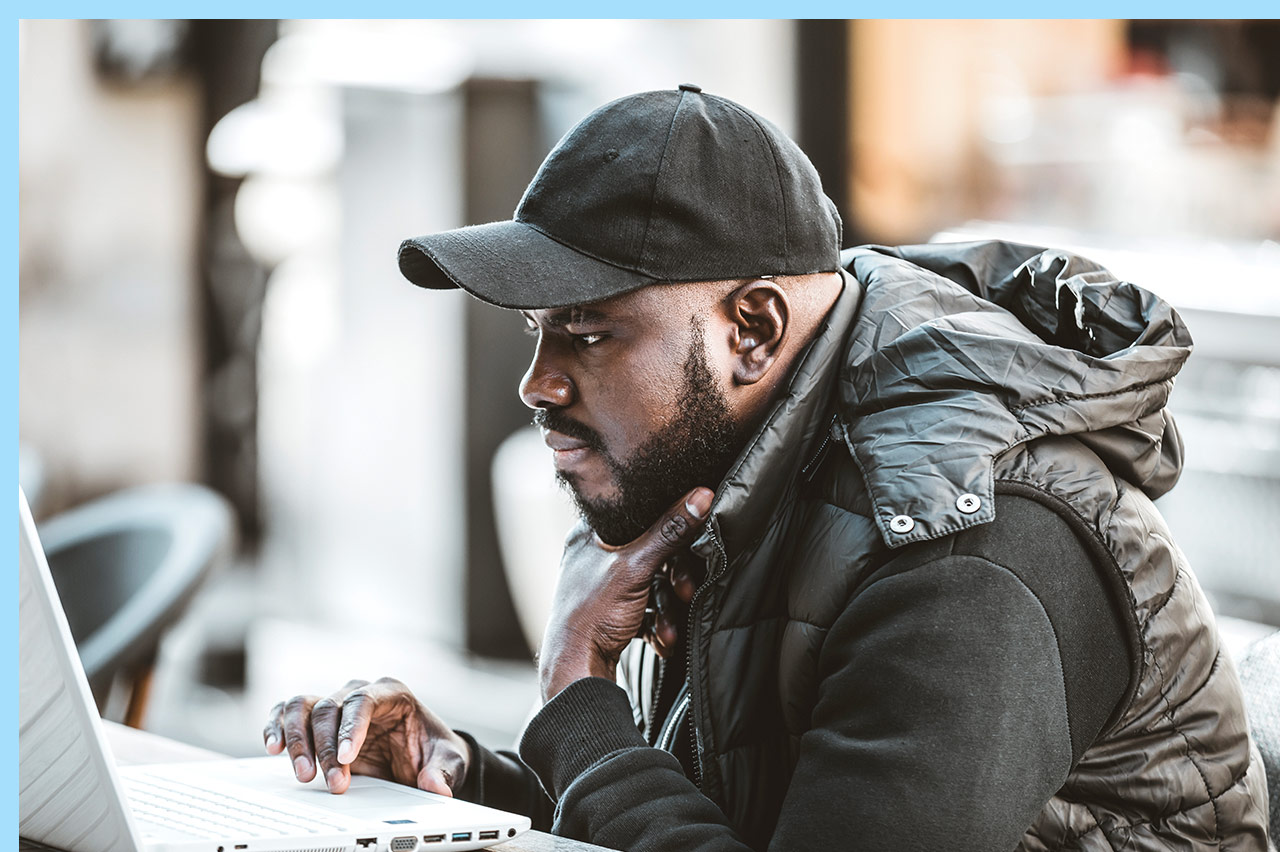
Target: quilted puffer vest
x: 971, y: 369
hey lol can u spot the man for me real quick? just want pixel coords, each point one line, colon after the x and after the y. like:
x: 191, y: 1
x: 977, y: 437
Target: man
x: 890, y: 511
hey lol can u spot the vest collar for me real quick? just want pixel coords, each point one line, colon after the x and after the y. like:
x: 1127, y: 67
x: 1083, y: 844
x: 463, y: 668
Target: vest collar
x: 791, y: 433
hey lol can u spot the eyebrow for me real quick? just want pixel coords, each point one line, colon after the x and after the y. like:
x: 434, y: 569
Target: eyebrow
x: 575, y: 314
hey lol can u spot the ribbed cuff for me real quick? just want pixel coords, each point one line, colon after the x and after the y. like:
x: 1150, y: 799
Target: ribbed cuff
x: 588, y: 721
x: 472, y: 789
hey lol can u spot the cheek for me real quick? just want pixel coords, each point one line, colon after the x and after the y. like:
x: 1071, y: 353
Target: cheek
x: 634, y: 403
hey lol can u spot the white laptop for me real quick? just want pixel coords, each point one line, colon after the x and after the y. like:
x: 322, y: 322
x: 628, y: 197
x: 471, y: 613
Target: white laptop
x: 72, y: 796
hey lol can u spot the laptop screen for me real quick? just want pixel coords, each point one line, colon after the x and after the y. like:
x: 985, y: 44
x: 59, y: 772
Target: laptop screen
x: 68, y: 793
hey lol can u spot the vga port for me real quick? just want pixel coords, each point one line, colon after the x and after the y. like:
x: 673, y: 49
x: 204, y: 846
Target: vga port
x: 404, y: 844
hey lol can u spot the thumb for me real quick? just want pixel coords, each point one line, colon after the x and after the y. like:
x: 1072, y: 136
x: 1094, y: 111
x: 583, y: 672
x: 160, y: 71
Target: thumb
x: 434, y: 780
x: 677, y: 527
x: 444, y: 771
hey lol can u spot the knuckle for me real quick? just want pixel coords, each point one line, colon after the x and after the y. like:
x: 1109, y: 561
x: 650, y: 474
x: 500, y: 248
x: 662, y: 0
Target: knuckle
x: 327, y: 753
x: 297, y: 704
x: 355, y: 683
x: 389, y: 682
x: 674, y: 528
x: 325, y: 708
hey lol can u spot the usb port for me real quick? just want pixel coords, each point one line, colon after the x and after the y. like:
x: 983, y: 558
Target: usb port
x: 367, y: 842
x: 242, y: 845
x: 433, y: 838
x: 488, y: 835
x: 461, y: 836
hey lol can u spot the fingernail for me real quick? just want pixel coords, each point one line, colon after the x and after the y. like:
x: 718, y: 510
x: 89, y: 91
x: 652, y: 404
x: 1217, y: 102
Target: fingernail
x: 301, y: 766
x: 273, y: 741
x: 345, y: 752
x: 331, y: 778
x: 699, y: 503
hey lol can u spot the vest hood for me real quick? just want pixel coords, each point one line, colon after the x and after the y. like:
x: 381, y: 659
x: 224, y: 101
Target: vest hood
x: 961, y: 352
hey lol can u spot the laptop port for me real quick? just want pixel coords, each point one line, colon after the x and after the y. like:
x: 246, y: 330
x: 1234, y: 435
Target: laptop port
x: 488, y: 835
x: 242, y: 845
x: 461, y: 836
x: 433, y: 838
x: 366, y: 842
x: 404, y: 844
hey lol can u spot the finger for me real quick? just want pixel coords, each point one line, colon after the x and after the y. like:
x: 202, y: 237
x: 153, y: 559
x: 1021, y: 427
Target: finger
x: 357, y: 711
x: 273, y: 732
x: 324, y: 735
x: 677, y: 527
x: 649, y: 633
x: 325, y: 718
x: 665, y: 631
x: 297, y: 735
x: 682, y: 582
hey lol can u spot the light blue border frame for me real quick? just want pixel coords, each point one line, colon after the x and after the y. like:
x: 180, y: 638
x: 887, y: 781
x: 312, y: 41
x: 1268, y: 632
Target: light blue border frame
x: 1181, y: 9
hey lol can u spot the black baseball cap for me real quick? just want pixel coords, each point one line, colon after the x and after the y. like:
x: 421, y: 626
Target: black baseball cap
x: 652, y: 188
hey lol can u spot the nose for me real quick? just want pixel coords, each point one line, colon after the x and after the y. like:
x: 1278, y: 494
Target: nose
x: 544, y: 384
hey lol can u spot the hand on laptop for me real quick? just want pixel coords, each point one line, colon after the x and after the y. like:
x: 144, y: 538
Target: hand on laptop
x: 378, y: 729
x: 600, y: 599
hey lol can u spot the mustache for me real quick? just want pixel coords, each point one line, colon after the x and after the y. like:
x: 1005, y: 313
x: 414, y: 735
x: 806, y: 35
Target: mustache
x: 555, y: 420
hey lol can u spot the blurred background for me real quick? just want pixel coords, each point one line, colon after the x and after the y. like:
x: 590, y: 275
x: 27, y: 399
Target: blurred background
x: 209, y: 214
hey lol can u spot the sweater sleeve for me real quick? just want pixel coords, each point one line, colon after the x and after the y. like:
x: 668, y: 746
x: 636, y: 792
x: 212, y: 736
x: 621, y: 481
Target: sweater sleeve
x: 499, y: 779
x: 941, y: 721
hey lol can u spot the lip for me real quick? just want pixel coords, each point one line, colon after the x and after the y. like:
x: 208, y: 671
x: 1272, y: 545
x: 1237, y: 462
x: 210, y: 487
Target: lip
x: 567, y: 452
x: 561, y: 442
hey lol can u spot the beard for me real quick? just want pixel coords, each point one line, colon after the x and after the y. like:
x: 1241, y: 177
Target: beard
x: 695, y: 448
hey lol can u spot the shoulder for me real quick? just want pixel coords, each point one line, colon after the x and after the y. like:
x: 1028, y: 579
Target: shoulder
x: 1037, y: 547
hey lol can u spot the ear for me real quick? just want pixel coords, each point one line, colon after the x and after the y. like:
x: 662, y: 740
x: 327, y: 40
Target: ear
x: 759, y: 318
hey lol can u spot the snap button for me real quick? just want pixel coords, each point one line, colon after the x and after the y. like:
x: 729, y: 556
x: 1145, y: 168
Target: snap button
x: 968, y: 503
x: 689, y: 87
x: 902, y: 523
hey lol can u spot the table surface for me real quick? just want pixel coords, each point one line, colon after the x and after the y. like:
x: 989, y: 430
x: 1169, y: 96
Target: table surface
x: 131, y: 746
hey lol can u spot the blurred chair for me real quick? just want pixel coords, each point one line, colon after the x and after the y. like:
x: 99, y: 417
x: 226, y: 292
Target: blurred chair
x: 1260, y: 678
x: 126, y: 566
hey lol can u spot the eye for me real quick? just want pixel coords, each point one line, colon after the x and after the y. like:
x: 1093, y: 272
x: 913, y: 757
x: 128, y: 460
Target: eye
x: 589, y: 339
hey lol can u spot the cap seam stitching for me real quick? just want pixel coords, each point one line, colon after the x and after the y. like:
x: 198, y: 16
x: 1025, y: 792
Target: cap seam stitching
x: 657, y: 178
x: 773, y: 154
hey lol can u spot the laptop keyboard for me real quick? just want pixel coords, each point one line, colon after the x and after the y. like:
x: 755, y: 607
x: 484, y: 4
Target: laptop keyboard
x: 170, y: 804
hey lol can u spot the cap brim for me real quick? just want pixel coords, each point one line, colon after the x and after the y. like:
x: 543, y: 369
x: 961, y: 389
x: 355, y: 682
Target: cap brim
x: 513, y: 265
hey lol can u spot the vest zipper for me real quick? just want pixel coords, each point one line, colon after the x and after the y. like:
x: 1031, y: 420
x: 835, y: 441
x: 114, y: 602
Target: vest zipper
x: 666, y: 737
x: 655, y: 692
x: 808, y: 469
x: 690, y: 680
x: 690, y: 672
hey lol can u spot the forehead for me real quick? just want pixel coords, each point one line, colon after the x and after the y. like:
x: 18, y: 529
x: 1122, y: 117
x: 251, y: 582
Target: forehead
x: 627, y: 306
x: 653, y: 304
